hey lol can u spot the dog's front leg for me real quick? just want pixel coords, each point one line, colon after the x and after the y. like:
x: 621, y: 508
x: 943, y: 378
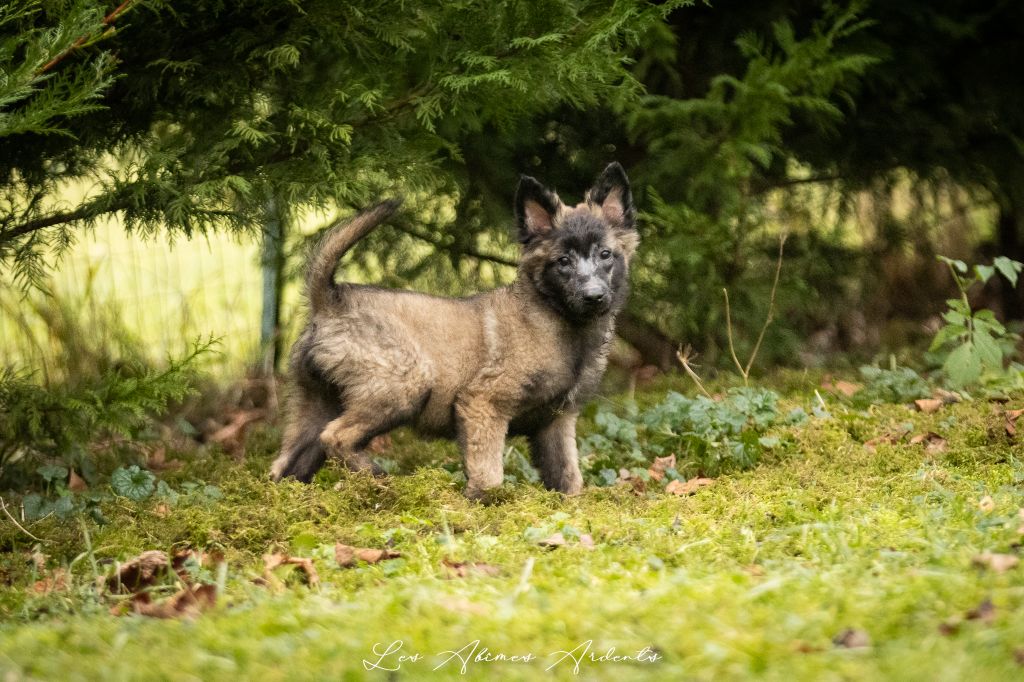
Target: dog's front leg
x: 554, y: 453
x: 481, y: 430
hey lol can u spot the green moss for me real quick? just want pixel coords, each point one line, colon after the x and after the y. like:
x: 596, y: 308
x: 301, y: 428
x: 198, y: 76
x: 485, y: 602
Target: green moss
x: 752, y: 576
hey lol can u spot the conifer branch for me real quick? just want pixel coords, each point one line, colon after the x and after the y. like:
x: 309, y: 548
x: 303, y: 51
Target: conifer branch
x: 107, y: 20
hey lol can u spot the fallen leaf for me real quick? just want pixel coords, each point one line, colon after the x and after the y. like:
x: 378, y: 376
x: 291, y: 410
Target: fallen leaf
x: 884, y: 439
x: 1000, y: 563
x: 380, y: 444
x: 272, y: 561
x: 464, y: 569
x: 948, y: 397
x: 157, y: 460
x: 802, y: 647
x: 950, y: 626
x: 347, y: 556
x: 1010, y: 422
x: 624, y: 474
x: 139, y: 573
x: 661, y: 464
x: 231, y: 436
x: 755, y: 570
x: 846, y: 388
x: 586, y: 541
x: 852, y: 638
x: 56, y: 580
x: 933, y: 442
x: 928, y: 405
x: 986, y: 504
x: 1018, y: 656
x: 187, y: 603
x: 552, y: 541
x: 76, y: 483
x: 984, y: 612
x: 162, y: 510
x: 689, y: 487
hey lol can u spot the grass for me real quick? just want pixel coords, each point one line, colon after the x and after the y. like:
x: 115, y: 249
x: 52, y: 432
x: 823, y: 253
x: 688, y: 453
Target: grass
x: 751, y: 577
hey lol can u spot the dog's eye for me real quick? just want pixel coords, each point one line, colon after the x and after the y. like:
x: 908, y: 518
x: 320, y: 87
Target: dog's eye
x: 606, y: 254
x: 564, y: 261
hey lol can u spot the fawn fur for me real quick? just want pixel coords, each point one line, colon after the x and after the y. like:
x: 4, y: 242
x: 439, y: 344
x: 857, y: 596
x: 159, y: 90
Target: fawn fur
x: 518, y: 360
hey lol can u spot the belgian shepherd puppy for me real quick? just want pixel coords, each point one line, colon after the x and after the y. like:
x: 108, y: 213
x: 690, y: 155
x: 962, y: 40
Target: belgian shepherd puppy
x: 519, y: 360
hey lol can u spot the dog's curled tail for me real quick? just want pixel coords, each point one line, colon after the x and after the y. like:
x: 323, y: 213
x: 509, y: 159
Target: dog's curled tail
x: 339, y: 239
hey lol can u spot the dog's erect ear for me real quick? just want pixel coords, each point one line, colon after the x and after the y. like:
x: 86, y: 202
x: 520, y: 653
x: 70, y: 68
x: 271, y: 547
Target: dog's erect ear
x: 611, y: 193
x: 536, y: 209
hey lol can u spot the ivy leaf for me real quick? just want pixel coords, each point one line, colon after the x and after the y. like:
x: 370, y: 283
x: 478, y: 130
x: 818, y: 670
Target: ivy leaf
x: 1008, y: 268
x: 133, y: 483
x: 52, y: 472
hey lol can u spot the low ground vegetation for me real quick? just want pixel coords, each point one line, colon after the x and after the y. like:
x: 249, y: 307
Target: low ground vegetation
x: 758, y: 532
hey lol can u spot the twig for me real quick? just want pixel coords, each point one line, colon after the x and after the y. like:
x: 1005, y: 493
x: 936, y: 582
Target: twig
x: 728, y: 331
x: 684, y: 356
x: 745, y: 369
x: 771, y: 305
x: 3, y: 505
x: 107, y: 20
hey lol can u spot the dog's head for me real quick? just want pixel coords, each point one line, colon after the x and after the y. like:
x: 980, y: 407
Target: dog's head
x: 577, y: 258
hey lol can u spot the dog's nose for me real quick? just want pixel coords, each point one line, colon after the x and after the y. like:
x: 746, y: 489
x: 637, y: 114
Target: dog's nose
x: 594, y: 297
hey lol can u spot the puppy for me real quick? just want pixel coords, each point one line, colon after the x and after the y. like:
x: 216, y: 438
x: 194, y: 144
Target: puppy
x: 519, y: 360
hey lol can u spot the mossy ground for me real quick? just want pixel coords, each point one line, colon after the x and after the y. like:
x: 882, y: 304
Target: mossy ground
x: 751, y: 577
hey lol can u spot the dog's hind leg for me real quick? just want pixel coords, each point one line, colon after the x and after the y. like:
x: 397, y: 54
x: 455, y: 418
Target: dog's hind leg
x: 345, y: 438
x: 554, y: 452
x: 302, y: 453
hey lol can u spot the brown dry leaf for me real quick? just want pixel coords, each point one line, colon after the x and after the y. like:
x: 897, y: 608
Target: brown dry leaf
x: 1010, y: 422
x: 586, y: 541
x: 986, y: 504
x: 1018, y: 656
x: 933, y: 443
x: 657, y: 470
x: 272, y: 561
x: 624, y: 474
x: 948, y: 397
x: 984, y: 612
x: 162, y: 510
x: 76, y: 483
x: 689, y: 487
x: 347, y: 556
x: 802, y: 647
x: 188, y: 603
x: 181, y: 558
x: 464, y: 569
x: 639, y: 485
x: 139, y: 573
x: 157, y: 460
x: 884, y: 439
x: 756, y: 570
x: 852, y: 638
x: 231, y: 436
x: 56, y: 580
x: 1000, y: 563
x: 554, y: 540
x: 380, y: 444
x: 846, y: 388
x: 928, y: 405
x: 950, y: 626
